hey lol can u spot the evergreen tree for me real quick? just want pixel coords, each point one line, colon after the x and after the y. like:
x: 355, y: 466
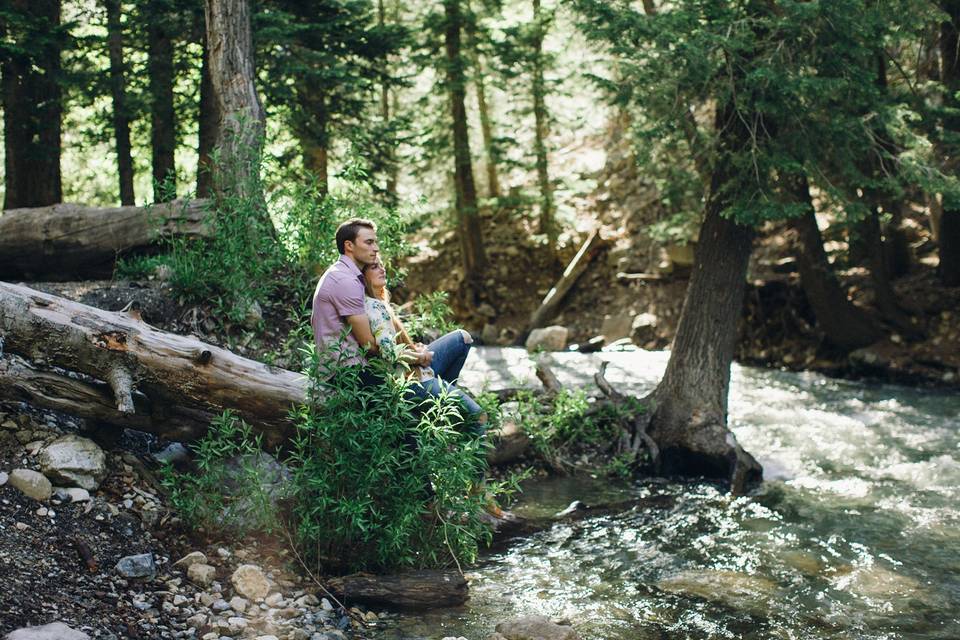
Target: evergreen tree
x: 121, y: 111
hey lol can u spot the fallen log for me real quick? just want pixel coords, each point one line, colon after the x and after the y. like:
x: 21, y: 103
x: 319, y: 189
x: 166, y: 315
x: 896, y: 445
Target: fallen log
x: 551, y: 302
x: 154, y: 381
x: 409, y: 590
x: 64, y: 241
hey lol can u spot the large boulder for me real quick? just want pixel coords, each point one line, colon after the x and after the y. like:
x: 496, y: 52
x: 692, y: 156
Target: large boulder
x: 553, y: 338
x: 535, y: 628
x: 32, y: 484
x: 52, y: 631
x: 72, y: 459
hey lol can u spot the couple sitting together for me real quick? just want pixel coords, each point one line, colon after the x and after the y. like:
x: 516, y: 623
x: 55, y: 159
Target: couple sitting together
x: 352, y: 320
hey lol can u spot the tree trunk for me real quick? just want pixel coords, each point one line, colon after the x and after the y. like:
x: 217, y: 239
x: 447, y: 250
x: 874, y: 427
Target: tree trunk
x: 688, y: 419
x: 65, y: 241
x: 886, y: 297
x: 486, y: 127
x: 312, y: 129
x: 548, y: 222
x: 471, y: 237
x: 949, y: 237
x: 32, y: 112
x: 118, y: 91
x: 163, y: 125
x: 391, y: 160
x: 242, y: 119
x: 207, y: 125
x: 843, y: 324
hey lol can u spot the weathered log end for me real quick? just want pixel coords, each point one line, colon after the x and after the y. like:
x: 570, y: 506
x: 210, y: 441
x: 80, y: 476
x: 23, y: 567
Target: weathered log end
x: 409, y: 590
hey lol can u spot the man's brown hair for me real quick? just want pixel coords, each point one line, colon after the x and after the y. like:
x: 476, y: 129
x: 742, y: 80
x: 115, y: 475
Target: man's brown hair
x: 348, y: 231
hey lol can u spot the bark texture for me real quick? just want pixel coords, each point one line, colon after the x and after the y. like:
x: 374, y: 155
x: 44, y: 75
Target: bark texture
x: 486, y: 126
x: 179, y: 381
x: 32, y: 110
x: 843, y: 324
x: 468, y: 216
x: 65, y: 241
x: 163, y: 123
x: 118, y: 92
x: 688, y: 418
x: 207, y: 125
x: 241, y: 126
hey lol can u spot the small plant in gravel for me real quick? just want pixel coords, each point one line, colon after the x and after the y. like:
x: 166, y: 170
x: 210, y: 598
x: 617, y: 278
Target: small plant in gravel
x: 236, y: 487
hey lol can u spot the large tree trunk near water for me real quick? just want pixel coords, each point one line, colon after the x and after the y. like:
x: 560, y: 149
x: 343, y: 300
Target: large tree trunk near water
x: 548, y: 221
x: 183, y: 381
x: 242, y: 118
x: 32, y: 110
x: 468, y: 215
x: 688, y: 419
x: 118, y: 92
x: 843, y: 324
x: 65, y: 241
x: 949, y: 236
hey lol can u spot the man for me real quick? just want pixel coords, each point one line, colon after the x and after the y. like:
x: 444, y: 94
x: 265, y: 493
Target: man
x: 339, y: 320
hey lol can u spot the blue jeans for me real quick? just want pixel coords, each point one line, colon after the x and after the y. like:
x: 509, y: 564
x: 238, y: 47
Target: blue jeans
x: 449, y: 354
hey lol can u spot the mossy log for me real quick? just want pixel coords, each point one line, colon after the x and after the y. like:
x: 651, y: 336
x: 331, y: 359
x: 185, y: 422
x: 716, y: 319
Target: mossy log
x: 65, y: 241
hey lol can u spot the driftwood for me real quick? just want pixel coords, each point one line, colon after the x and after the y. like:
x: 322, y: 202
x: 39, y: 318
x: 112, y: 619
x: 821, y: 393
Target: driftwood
x: 71, y: 240
x: 551, y: 302
x: 411, y: 590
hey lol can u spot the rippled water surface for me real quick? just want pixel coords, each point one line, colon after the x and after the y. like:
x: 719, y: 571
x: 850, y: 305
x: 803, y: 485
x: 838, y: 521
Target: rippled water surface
x: 855, y: 534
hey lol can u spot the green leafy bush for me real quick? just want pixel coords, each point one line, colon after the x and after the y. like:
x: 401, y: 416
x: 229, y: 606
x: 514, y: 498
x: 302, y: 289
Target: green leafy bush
x: 236, y: 486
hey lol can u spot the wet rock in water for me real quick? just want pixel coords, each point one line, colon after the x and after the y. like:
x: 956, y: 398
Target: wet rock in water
x: 75, y: 460
x: 195, y: 557
x: 535, y: 628
x: 880, y: 584
x: 250, y: 582
x: 553, y: 338
x: 730, y: 588
x: 141, y: 565
x: 32, y: 484
x: 52, y: 631
x: 806, y: 563
x: 201, y: 574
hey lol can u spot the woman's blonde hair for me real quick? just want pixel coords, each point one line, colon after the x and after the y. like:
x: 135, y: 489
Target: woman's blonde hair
x: 384, y: 297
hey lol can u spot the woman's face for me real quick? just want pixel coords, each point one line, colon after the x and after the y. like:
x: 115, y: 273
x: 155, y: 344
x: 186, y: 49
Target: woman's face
x: 376, y: 276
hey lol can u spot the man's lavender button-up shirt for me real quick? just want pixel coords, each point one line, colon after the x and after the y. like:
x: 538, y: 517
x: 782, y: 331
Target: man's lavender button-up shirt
x: 339, y: 294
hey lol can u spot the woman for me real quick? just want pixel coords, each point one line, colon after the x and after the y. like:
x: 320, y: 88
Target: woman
x: 436, y: 367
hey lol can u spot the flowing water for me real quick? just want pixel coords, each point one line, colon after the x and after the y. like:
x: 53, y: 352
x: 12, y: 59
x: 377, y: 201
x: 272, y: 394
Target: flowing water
x: 855, y: 533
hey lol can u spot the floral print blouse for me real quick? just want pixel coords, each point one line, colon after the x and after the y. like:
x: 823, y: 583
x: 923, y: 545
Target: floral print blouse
x: 385, y: 333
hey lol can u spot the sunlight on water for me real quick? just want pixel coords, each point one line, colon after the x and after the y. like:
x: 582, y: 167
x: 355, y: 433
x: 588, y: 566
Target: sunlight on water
x: 855, y: 533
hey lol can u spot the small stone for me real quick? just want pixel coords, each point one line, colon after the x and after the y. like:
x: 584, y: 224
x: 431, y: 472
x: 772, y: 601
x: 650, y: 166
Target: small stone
x: 325, y: 605
x: 137, y: 566
x: 274, y: 600
x: 250, y: 582
x: 42, y: 511
x: 180, y: 600
x: 52, y: 631
x: 21, y: 526
x: 238, y: 604
x: 308, y: 600
x: 71, y: 494
x: 196, y: 557
x: 32, y: 484
x: 224, y: 553
x: 237, y: 623
x: 201, y: 574
x: 220, y: 605
x: 3, y: 478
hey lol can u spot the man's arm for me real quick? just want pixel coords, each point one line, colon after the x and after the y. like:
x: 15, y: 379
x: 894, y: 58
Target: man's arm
x: 360, y: 328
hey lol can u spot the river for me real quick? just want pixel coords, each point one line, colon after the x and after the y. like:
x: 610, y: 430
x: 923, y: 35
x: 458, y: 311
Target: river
x: 854, y: 534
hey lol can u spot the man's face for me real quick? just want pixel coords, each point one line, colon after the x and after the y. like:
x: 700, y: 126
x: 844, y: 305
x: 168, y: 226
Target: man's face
x: 364, y: 250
